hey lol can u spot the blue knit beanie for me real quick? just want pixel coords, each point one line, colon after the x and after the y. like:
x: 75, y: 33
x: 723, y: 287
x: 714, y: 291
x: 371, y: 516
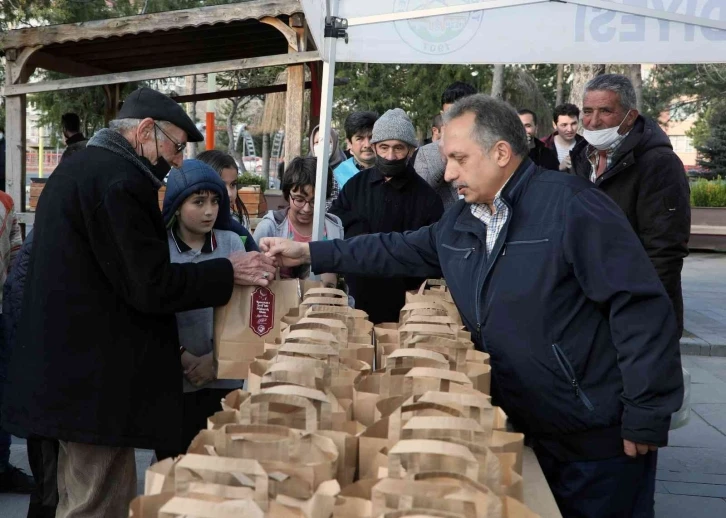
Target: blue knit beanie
x: 195, y: 176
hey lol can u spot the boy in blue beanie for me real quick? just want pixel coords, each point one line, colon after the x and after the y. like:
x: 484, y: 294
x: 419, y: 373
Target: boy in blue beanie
x: 198, y: 231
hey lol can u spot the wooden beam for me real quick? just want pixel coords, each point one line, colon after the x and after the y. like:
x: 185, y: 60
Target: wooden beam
x: 154, y: 22
x: 161, y: 73
x: 294, y: 100
x: 19, y: 71
x: 228, y: 94
x: 63, y: 65
x: 15, y: 150
x: 288, y: 32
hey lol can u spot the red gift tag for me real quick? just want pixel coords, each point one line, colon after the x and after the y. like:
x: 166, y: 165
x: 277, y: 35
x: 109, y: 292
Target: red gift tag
x: 262, y: 311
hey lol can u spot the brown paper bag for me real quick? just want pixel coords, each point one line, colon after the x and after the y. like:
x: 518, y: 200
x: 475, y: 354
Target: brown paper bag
x: 457, y: 495
x: 409, y: 457
x: 427, y: 293
x: 202, y: 506
x: 252, y: 316
x: 160, y: 477
x: 296, y: 463
x: 354, y: 500
x: 203, y: 474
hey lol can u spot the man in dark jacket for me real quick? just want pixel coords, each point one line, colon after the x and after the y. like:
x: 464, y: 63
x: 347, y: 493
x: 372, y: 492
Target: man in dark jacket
x: 631, y: 159
x: 389, y: 197
x: 552, y: 283
x: 428, y: 161
x: 97, y: 325
x: 75, y: 141
x: 538, y: 152
x: 565, y: 121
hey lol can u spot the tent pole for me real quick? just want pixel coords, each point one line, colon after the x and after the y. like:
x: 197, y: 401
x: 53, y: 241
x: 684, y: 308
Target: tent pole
x: 326, y: 112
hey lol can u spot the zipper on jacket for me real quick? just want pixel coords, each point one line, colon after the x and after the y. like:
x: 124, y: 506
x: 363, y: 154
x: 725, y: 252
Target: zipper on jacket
x: 529, y: 242
x: 566, y: 367
x: 468, y: 251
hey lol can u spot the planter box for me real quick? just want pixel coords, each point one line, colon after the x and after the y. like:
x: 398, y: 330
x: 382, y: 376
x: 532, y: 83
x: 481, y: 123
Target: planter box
x: 708, y: 228
x: 36, y: 187
x: 254, y: 200
x: 711, y: 216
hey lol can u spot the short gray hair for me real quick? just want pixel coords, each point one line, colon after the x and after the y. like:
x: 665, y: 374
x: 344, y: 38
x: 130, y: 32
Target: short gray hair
x: 621, y: 85
x: 494, y: 120
x: 125, y: 125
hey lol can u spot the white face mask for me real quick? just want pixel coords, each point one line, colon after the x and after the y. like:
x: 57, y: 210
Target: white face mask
x: 604, y: 138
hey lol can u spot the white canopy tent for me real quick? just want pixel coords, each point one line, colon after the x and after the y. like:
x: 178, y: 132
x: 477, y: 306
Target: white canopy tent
x: 507, y: 31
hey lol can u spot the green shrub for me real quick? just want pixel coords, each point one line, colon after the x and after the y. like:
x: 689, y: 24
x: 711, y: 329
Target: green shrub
x: 708, y: 193
x: 247, y: 179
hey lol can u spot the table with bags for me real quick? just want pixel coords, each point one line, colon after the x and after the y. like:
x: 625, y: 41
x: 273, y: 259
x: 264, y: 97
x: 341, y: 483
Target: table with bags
x: 343, y: 419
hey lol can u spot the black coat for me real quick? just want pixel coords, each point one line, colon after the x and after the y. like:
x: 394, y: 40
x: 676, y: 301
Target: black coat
x: 543, y: 156
x: 368, y: 204
x: 647, y: 180
x: 96, y: 358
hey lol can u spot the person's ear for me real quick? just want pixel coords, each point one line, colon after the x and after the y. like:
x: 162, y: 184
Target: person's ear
x: 554, y: 126
x: 502, y: 153
x: 145, y: 129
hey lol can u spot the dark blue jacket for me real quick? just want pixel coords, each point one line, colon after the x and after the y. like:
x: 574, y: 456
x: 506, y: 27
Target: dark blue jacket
x: 582, y: 336
x: 13, y: 291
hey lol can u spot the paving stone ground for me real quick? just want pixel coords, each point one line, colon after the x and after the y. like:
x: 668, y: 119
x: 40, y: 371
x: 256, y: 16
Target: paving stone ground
x: 691, y: 479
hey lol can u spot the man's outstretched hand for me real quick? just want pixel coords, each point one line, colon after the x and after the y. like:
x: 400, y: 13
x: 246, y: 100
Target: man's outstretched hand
x: 633, y: 449
x: 288, y: 253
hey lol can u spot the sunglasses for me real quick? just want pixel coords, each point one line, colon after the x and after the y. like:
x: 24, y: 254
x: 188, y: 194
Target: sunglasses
x: 178, y: 146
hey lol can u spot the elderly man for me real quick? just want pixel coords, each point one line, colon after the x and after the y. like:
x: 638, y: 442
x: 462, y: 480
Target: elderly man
x: 389, y: 197
x: 631, y: 159
x: 97, y: 360
x: 553, y: 284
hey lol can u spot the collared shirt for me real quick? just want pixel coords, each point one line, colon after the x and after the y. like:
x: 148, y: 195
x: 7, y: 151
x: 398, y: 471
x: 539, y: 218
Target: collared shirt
x: 210, y: 242
x: 493, y: 221
x: 594, y: 156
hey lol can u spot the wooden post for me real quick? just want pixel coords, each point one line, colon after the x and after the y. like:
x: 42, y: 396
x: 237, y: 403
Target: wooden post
x: 295, y: 96
x: 15, y: 150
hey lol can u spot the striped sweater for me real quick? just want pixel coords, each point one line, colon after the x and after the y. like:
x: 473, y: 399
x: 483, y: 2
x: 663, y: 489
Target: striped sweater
x: 10, y: 238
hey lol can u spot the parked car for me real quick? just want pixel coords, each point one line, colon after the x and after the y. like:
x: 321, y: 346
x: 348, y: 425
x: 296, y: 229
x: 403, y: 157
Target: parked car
x: 697, y: 173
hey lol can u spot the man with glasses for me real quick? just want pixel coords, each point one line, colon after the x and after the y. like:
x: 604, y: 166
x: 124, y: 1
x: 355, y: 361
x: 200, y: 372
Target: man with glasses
x: 97, y: 354
x: 389, y: 197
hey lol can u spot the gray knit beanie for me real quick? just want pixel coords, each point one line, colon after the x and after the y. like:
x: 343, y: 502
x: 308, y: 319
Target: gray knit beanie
x: 394, y: 125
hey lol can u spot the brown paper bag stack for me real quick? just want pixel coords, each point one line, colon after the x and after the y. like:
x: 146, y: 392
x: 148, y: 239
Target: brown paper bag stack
x: 343, y: 419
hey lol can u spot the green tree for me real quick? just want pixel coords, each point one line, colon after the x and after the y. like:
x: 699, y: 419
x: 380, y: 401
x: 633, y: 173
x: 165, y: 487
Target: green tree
x: 713, y: 151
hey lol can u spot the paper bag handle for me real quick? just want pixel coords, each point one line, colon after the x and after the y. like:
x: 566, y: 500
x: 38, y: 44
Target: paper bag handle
x: 431, y: 282
x: 416, y: 448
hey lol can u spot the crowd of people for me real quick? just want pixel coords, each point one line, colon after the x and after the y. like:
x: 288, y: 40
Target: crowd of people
x: 563, y: 255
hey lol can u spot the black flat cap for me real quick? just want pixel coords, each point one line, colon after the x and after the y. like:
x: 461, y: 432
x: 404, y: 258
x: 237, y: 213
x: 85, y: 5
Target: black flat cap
x: 145, y: 102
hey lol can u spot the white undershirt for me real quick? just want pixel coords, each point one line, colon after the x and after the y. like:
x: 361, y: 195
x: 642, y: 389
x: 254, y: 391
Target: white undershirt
x: 562, y: 151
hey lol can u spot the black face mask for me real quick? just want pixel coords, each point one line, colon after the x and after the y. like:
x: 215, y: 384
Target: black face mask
x: 161, y: 169
x: 391, y: 168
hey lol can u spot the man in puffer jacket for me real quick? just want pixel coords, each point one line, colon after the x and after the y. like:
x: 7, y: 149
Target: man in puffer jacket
x: 42, y: 453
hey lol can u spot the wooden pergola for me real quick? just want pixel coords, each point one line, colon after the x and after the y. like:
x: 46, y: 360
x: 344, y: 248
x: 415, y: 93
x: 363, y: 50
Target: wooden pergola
x: 109, y: 53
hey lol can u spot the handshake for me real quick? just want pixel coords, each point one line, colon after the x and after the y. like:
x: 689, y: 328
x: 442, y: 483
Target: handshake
x: 258, y: 269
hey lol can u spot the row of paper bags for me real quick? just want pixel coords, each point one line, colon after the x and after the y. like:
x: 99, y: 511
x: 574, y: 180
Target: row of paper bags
x: 318, y: 433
